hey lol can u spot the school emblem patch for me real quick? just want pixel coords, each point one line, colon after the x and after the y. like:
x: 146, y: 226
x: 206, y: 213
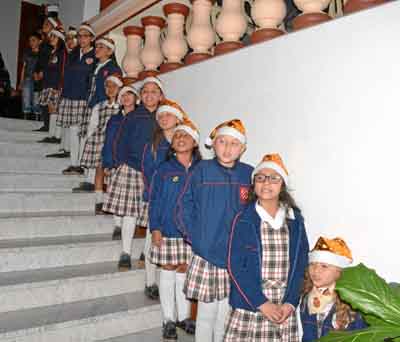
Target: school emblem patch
x: 105, y: 73
x: 175, y: 179
x: 89, y: 61
x: 244, y: 194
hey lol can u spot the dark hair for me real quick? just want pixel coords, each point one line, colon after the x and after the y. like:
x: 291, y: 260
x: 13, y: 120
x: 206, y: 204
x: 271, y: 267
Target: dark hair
x: 284, y: 196
x: 196, y: 154
x: 158, y: 135
x: 36, y: 35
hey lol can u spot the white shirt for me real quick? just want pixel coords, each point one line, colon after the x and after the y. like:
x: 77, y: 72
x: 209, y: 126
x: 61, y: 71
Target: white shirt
x: 81, y: 52
x: 277, y: 221
x: 100, y: 65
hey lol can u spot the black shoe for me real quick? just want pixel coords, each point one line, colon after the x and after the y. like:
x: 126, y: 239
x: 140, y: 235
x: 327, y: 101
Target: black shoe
x: 124, y: 263
x: 73, y: 170
x: 142, y: 257
x: 98, y: 209
x: 47, y: 140
x: 84, y: 187
x: 63, y: 154
x: 187, y: 325
x: 151, y: 292
x: 169, y: 331
x: 41, y: 129
x: 116, y: 233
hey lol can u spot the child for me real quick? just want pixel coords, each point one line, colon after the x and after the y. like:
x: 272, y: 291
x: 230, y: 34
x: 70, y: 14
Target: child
x: 78, y: 70
x: 104, y: 50
x: 321, y: 309
x: 53, y: 78
x: 168, y: 116
x: 101, y: 113
x: 215, y: 192
x: 168, y: 247
x: 71, y: 40
x: 267, y: 257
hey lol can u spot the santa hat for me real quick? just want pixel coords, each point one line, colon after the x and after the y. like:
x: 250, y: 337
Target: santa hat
x: 233, y: 128
x: 115, y: 78
x: 190, y: 128
x: 127, y: 89
x: 54, y: 22
x: 331, y: 251
x: 153, y: 79
x: 58, y: 32
x: 72, y: 32
x: 107, y: 41
x: 87, y: 27
x: 172, y: 107
x: 273, y: 161
x: 52, y: 8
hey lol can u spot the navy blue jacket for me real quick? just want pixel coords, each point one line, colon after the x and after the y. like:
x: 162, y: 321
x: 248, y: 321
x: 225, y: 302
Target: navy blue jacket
x: 44, y: 54
x: 77, y: 75
x: 245, y: 260
x: 310, y: 326
x: 53, y: 70
x: 150, y: 163
x: 114, y: 125
x: 166, y: 186
x: 100, y: 94
x: 212, y: 196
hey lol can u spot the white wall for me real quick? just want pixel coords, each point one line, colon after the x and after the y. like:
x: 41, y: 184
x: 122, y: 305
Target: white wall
x: 327, y: 99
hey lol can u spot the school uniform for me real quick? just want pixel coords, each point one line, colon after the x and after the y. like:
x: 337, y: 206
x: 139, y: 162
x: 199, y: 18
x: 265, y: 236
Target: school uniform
x: 167, y: 184
x: 267, y: 258
x: 212, y: 197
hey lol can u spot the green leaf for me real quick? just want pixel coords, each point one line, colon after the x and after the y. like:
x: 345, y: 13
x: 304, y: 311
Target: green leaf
x: 371, y: 334
x: 365, y: 291
x: 396, y: 289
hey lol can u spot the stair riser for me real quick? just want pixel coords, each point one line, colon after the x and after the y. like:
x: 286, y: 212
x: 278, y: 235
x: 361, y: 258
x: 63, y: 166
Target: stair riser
x: 37, y: 165
x: 12, y: 125
x: 30, y: 258
x: 29, y: 150
x: 27, y: 296
x: 40, y: 227
x: 38, y: 183
x: 92, y: 329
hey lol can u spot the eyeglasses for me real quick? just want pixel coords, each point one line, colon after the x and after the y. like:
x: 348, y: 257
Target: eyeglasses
x: 84, y: 35
x: 273, y: 179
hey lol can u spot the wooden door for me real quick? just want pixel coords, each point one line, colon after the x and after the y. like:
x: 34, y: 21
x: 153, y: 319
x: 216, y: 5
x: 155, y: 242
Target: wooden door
x: 31, y: 20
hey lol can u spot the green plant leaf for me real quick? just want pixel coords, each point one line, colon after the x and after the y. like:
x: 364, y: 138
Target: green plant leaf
x: 371, y: 334
x: 365, y: 291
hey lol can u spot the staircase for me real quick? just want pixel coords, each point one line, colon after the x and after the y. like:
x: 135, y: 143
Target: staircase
x: 58, y: 265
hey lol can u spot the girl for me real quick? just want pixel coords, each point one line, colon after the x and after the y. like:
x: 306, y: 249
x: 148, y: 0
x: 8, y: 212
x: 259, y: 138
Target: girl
x: 168, y: 116
x: 53, y: 78
x: 322, y: 310
x: 168, y: 247
x: 101, y: 113
x: 214, y: 193
x: 104, y: 50
x: 79, y: 67
x: 125, y: 190
x: 71, y: 41
x: 267, y: 257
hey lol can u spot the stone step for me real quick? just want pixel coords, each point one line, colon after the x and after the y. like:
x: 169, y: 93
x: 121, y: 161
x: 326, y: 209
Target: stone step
x: 21, y: 149
x: 82, y: 321
x: 54, y: 226
x: 31, y: 254
x: 150, y: 335
x: 21, y: 136
x: 38, y: 165
x: 42, y: 203
x: 29, y: 289
x: 15, y: 125
x: 28, y: 182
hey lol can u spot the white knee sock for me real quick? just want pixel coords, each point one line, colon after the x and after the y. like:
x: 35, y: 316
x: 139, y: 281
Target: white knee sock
x: 150, y: 268
x: 167, y: 295
x: 182, y: 304
x: 117, y: 220
x: 53, y: 125
x: 65, y: 139
x: 57, y: 130
x: 127, y: 231
x: 91, y: 174
x: 219, y: 329
x: 74, y: 142
x: 99, y: 196
x: 205, y: 323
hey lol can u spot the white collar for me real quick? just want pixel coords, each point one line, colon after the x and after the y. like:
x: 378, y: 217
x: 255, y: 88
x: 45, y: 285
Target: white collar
x: 81, y: 53
x: 114, y: 105
x: 100, y: 65
x: 277, y: 221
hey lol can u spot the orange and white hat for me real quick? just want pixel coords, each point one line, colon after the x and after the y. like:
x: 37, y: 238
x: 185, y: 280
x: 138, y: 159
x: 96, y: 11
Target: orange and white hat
x: 331, y: 251
x: 233, y: 128
x: 273, y: 161
x: 87, y: 27
x: 153, y: 79
x: 54, y: 22
x: 128, y: 89
x: 107, y: 41
x: 190, y: 128
x: 172, y: 107
x: 58, y: 32
x: 115, y: 78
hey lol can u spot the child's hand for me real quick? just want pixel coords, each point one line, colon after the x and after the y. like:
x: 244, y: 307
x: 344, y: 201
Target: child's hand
x: 287, y: 310
x: 107, y: 172
x: 156, y: 238
x: 273, y: 312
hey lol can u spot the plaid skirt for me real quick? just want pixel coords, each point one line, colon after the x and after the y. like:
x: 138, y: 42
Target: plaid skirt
x: 91, y: 156
x: 70, y: 112
x: 143, y: 220
x: 173, y: 251
x: 246, y: 326
x: 49, y: 96
x: 206, y: 282
x: 124, y: 192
